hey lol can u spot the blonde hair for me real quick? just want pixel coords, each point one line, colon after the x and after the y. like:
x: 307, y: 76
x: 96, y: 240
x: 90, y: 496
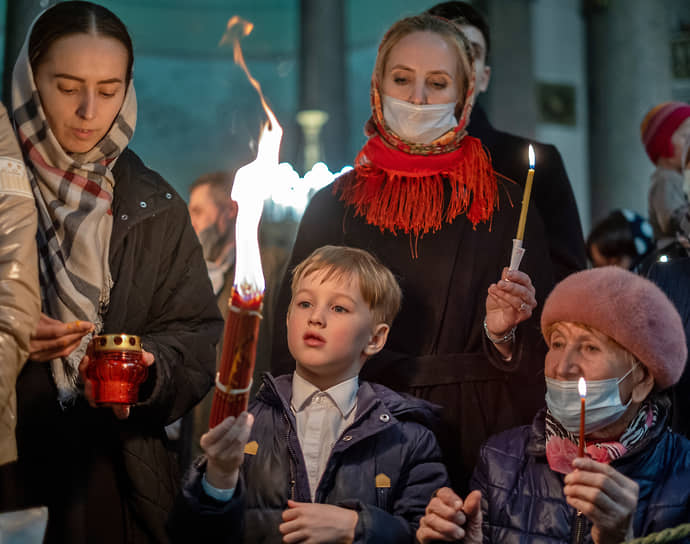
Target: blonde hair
x: 428, y: 23
x: 378, y: 286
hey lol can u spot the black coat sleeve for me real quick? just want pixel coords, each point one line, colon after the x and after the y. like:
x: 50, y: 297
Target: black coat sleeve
x: 161, y: 292
x: 183, y: 326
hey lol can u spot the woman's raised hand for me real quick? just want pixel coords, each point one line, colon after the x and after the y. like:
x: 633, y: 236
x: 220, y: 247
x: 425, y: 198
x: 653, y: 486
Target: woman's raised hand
x: 509, y: 302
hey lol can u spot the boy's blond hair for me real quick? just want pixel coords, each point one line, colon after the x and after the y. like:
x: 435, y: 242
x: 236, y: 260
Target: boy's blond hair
x: 378, y: 286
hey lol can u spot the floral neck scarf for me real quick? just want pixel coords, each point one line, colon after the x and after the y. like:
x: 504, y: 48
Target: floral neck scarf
x: 562, y: 446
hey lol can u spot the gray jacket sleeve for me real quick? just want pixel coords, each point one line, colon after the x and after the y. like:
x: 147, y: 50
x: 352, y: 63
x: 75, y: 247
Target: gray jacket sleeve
x: 669, y: 210
x: 19, y: 294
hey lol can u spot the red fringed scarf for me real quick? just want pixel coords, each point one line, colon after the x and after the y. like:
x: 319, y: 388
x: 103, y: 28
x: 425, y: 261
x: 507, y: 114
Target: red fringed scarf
x: 397, y: 191
x: 400, y: 186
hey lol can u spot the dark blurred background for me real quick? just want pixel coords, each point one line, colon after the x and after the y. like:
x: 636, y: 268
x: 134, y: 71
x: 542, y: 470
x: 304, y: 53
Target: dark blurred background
x: 579, y: 74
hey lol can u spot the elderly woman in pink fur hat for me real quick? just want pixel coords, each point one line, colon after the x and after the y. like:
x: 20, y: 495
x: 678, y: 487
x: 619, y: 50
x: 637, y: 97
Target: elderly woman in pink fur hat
x: 623, y: 335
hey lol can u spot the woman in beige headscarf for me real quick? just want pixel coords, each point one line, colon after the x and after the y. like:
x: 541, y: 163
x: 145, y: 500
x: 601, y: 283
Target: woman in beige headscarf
x: 117, y: 254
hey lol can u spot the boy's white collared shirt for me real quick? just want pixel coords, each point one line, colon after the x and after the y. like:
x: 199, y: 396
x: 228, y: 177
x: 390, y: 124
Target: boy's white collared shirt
x: 321, y: 417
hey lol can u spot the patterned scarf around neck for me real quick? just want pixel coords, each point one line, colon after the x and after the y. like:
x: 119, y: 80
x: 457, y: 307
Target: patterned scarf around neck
x: 74, y: 193
x: 562, y: 445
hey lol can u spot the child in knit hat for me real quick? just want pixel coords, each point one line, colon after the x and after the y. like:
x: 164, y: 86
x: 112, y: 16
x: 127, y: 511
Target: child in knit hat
x: 665, y: 133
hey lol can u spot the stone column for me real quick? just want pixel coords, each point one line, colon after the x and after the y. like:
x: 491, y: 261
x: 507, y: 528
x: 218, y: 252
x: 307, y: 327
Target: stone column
x: 20, y: 14
x: 628, y: 72
x: 322, y: 77
x: 511, y: 102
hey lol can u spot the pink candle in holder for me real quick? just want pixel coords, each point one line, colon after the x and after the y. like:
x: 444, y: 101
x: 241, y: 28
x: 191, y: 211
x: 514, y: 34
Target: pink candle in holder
x: 116, y: 368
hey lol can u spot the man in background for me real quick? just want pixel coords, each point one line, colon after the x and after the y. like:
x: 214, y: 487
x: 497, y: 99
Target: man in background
x: 551, y: 192
x: 213, y: 215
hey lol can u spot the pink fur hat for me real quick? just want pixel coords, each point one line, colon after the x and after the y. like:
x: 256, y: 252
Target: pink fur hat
x: 628, y: 308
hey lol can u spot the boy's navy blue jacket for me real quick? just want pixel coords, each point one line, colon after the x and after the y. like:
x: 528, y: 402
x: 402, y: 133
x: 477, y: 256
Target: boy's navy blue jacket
x: 386, y: 466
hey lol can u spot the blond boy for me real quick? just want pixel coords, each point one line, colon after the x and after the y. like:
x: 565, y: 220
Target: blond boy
x: 320, y: 456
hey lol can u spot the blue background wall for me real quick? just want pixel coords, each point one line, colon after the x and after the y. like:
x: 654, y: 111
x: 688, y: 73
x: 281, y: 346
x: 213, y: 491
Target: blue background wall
x: 197, y: 112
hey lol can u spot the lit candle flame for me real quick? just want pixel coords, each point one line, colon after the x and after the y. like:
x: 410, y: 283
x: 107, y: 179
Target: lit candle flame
x: 582, y: 387
x: 525, y: 204
x: 531, y: 157
x: 253, y: 182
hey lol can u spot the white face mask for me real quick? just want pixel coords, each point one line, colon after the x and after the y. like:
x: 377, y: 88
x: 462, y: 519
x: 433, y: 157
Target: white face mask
x: 418, y: 124
x: 602, y: 404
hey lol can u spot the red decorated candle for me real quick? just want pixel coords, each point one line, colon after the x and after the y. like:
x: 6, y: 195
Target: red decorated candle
x: 234, y: 379
x: 250, y: 188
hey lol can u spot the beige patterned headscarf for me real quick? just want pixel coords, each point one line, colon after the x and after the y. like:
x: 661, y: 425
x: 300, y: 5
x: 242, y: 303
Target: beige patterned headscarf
x: 74, y: 194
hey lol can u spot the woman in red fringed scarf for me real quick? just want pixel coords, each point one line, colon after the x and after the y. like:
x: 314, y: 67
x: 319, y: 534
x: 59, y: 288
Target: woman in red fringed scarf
x: 424, y: 198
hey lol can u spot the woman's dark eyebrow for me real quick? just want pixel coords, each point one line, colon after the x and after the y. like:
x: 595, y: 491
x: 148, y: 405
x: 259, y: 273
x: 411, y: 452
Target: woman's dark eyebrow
x: 81, y: 80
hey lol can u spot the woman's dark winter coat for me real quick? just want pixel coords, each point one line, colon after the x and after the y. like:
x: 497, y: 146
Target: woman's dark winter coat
x: 523, y: 501
x: 385, y: 466
x: 552, y: 195
x: 106, y: 480
x: 437, y: 349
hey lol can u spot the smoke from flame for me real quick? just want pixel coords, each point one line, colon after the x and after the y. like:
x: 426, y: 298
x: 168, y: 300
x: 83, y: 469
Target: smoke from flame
x: 237, y: 29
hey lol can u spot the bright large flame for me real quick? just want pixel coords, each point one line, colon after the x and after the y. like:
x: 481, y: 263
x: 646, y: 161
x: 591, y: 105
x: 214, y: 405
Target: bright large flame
x: 253, y: 182
x: 582, y: 387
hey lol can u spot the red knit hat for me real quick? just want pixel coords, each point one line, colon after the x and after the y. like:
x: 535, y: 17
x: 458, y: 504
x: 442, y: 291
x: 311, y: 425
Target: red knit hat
x: 659, y: 125
x: 627, y: 308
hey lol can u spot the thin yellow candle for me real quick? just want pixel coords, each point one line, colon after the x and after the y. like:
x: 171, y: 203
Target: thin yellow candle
x: 525, y: 196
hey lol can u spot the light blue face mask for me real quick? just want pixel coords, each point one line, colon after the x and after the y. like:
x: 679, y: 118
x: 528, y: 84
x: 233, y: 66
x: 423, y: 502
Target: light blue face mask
x: 602, y: 404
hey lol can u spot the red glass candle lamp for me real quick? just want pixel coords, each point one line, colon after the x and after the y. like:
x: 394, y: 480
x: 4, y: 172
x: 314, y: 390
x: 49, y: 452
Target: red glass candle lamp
x: 116, y: 369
